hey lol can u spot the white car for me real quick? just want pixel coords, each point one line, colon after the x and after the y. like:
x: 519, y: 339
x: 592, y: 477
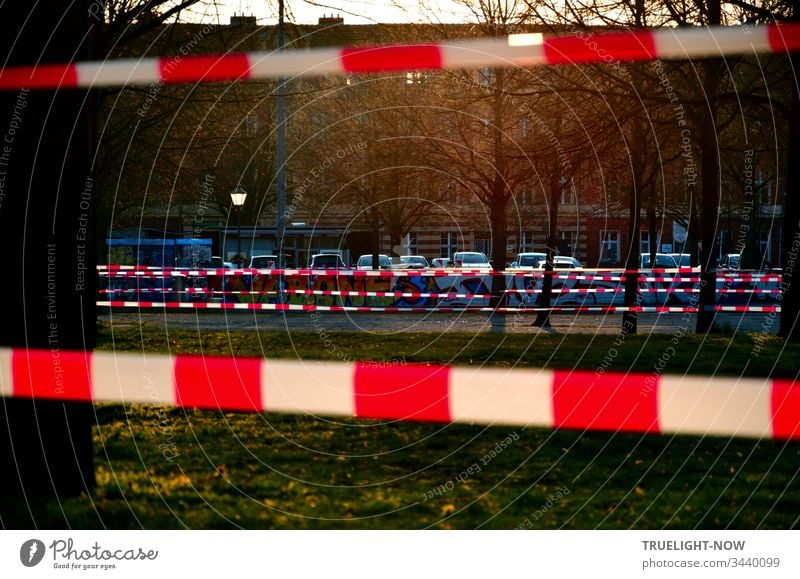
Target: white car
x: 327, y: 261
x: 413, y: 262
x: 365, y: 262
x: 561, y: 262
x: 528, y: 260
x: 441, y: 262
x: 471, y: 260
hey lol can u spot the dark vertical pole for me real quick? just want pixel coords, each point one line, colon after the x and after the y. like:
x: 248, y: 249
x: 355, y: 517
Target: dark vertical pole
x: 239, y: 234
x: 280, y: 223
x: 47, y: 205
x: 790, y: 251
x: 280, y: 153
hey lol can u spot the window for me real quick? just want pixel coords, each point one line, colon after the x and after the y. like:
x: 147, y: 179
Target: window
x: 412, y: 243
x: 251, y: 125
x: 609, y: 247
x: 449, y: 244
x: 567, y: 192
x: 566, y: 243
x: 483, y: 244
x: 486, y: 76
x: 644, y: 243
x: 524, y: 127
x: 524, y: 196
x: 452, y: 191
x: 765, y: 245
x: 722, y: 238
x: 526, y: 242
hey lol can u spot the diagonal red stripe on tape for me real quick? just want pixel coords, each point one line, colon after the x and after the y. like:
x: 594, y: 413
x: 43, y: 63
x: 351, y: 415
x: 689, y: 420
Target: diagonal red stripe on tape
x: 218, y: 383
x: 388, y: 58
x: 785, y: 406
x: 412, y: 392
x: 205, y: 68
x: 43, y: 76
x: 600, y: 48
x: 585, y: 400
x: 63, y: 375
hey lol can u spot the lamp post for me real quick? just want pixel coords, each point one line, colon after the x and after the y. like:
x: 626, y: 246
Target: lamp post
x: 238, y: 197
x: 280, y: 205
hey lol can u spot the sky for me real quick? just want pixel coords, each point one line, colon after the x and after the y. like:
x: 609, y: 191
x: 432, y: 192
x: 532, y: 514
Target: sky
x: 353, y: 11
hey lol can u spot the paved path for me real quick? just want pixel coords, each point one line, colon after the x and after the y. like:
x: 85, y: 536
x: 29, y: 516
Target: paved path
x: 398, y: 323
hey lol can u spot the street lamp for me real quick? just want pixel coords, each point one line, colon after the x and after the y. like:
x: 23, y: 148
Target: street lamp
x: 238, y: 197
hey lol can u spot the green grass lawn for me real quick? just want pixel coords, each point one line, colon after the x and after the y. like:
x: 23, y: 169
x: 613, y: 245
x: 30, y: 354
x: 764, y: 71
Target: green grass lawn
x: 171, y: 468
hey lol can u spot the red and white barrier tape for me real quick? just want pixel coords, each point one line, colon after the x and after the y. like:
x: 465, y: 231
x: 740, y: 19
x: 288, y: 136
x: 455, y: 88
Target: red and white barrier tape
x: 414, y: 309
x: 399, y: 294
x: 165, y: 273
x: 515, y: 50
x: 307, y: 292
x: 572, y: 399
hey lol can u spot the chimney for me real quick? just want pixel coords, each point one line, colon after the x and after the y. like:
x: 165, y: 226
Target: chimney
x: 331, y: 20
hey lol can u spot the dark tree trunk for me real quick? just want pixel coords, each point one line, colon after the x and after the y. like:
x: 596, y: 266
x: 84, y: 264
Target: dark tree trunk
x: 546, y: 297
x: 710, y: 186
x: 376, y: 242
x: 498, y: 201
x: 631, y: 276
x: 652, y: 230
x: 498, y: 257
x: 47, y: 220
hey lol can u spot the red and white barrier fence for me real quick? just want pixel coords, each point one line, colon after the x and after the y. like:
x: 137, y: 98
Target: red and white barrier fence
x: 515, y: 50
x: 594, y: 274
x: 630, y: 402
x: 415, y: 309
x: 396, y: 294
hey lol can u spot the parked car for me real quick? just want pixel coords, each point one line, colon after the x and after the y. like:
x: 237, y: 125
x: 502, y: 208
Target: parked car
x: 682, y: 259
x: 663, y: 261
x: 529, y: 260
x: 413, y: 262
x: 217, y: 263
x: 365, y: 262
x: 327, y: 261
x: 731, y: 261
x: 264, y: 261
x: 561, y: 262
x: 471, y: 260
x: 441, y: 262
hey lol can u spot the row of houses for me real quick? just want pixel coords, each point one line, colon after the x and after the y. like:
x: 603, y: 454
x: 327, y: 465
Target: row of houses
x: 597, y: 240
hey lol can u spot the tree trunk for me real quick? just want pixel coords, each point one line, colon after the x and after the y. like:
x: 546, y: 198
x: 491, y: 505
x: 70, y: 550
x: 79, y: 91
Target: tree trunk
x: 710, y: 186
x: 376, y: 242
x: 47, y: 220
x: 543, y: 318
x: 498, y: 201
x: 631, y: 276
